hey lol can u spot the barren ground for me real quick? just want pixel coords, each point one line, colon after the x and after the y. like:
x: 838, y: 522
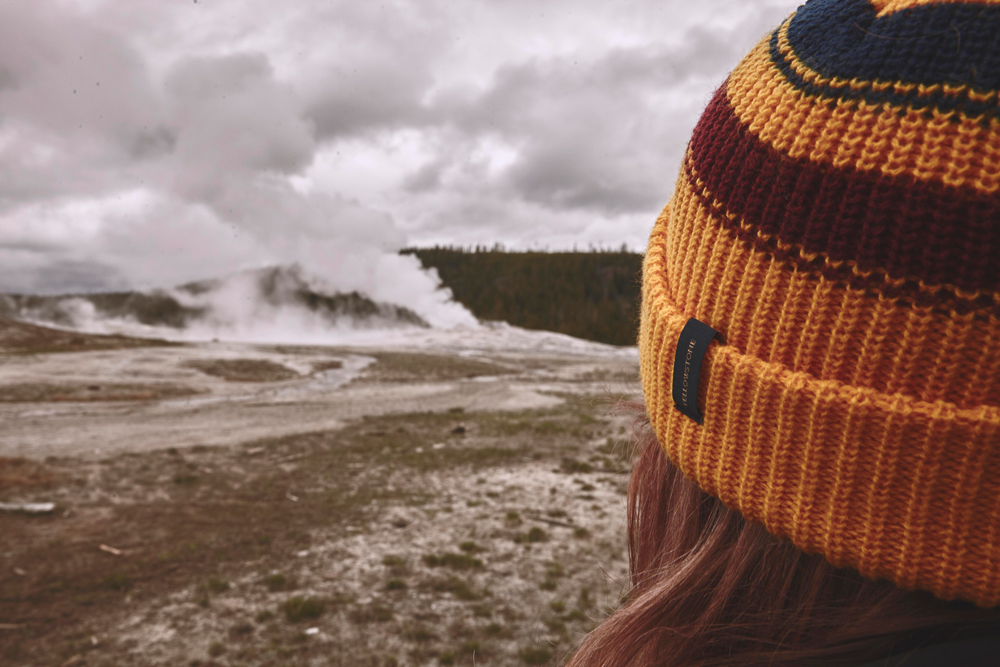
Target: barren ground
x: 223, y: 504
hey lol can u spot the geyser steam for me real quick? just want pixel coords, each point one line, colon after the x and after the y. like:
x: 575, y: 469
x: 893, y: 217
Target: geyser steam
x: 140, y: 179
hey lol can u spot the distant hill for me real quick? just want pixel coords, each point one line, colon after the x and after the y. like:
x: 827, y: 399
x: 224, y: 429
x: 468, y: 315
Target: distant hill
x: 592, y: 295
x: 275, y: 291
x: 23, y: 338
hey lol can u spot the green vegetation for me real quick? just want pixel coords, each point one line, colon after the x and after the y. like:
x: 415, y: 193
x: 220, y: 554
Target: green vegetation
x: 592, y: 295
x: 298, y: 609
x: 216, y: 585
x: 243, y: 370
x: 569, y: 465
x: 117, y: 581
x: 372, y: 613
x: 536, y: 534
x: 555, y: 570
x: 454, y: 561
x: 535, y: 655
x: 279, y: 582
x: 419, y: 367
x: 460, y: 589
x: 182, y: 479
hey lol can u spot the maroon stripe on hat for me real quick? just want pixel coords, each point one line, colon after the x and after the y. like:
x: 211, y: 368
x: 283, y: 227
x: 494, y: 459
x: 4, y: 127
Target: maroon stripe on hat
x: 909, y: 238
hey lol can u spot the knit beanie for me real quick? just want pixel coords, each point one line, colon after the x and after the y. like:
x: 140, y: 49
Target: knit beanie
x: 820, y: 343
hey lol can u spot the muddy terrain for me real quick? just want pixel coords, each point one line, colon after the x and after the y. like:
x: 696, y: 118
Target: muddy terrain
x: 423, y: 501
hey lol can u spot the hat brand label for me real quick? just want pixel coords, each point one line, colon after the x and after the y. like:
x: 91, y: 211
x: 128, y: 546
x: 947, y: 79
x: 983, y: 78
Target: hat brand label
x: 691, y: 348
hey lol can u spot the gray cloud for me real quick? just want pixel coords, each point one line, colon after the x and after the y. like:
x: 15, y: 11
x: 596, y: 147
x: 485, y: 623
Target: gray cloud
x: 155, y: 143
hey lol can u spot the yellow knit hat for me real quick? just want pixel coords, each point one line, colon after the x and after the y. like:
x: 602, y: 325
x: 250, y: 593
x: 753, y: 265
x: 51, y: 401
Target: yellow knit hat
x: 837, y: 221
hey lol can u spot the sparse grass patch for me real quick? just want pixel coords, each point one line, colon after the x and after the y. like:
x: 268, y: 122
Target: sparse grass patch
x: 185, y: 479
x: 452, y: 560
x: 243, y: 370
x: 548, y: 585
x: 215, y: 585
x: 117, y: 581
x: 536, y: 534
x: 555, y: 570
x: 555, y: 625
x: 418, y: 633
x: 558, y: 606
x: 298, y: 609
x: 581, y: 533
x: 241, y: 630
x: 394, y: 561
x: 395, y: 585
x: 498, y: 631
x: 43, y: 392
x: 572, y: 466
x: 457, y: 587
x: 332, y: 365
x: 371, y: 613
x: 468, y: 648
x: 19, y: 474
x: 418, y: 367
x: 535, y: 655
x: 264, y: 616
x: 279, y: 582
x: 470, y: 547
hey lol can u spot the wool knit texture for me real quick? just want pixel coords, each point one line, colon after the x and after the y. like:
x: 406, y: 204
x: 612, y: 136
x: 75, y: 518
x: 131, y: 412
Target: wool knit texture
x: 837, y: 220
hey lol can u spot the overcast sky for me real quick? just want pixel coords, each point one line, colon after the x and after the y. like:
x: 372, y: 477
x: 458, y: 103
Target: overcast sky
x: 149, y: 143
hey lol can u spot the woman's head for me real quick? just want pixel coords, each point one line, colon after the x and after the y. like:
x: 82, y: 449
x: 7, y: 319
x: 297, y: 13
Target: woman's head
x: 837, y: 223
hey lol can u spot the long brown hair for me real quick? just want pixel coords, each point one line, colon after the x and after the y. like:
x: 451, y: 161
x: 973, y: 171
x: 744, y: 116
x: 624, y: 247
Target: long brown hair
x: 710, y: 588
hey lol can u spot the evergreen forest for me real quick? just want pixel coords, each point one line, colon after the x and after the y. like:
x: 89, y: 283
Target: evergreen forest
x: 592, y: 295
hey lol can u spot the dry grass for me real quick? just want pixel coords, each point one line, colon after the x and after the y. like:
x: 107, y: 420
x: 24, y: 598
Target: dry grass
x: 410, y: 367
x: 43, y: 392
x: 19, y: 475
x: 23, y: 338
x: 243, y: 370
x: 396, y: 537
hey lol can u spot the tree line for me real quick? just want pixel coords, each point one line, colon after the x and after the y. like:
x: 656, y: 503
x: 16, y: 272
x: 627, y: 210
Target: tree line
x: 592, y: 295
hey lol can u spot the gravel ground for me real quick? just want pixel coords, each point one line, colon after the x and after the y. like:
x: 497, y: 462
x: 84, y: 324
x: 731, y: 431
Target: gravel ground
x: 309, y: 505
